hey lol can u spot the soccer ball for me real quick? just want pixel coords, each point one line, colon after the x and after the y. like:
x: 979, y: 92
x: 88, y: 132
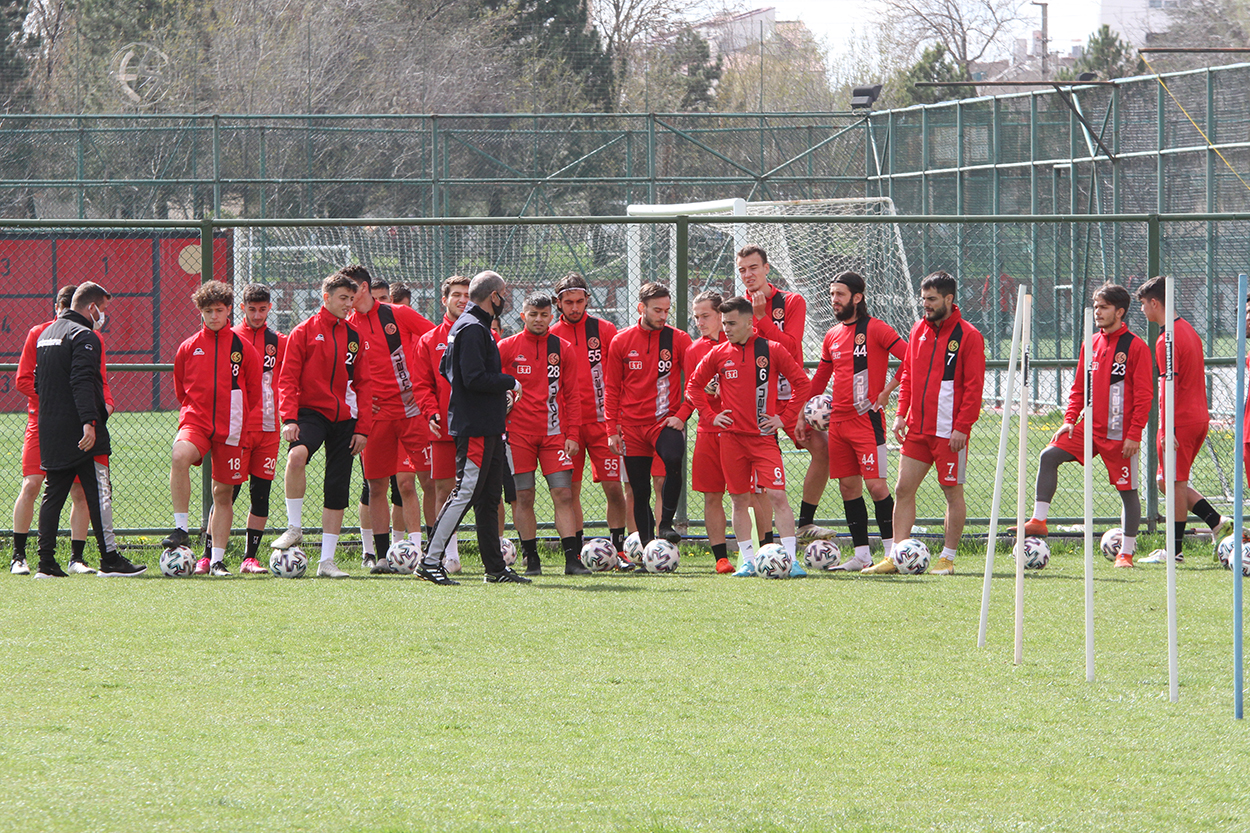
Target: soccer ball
x: 1112, y: 539
x: 509, y: 551
x: 818, y: 410
x: 1036, y: 553
x: 633, y: 547
x: 772, y: 561
x: 910, y: 556
x: 404, y: 556
x: 660, y: 556
x: 289, y: 563
x: 1225, y: 554
x: 822, y: 555
x: 599, y: 555
x: 177, y: 563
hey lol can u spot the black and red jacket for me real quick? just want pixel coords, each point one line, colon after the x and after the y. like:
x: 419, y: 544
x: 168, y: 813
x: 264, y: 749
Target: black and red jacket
x: 589, y: 341
x: 643, y: 377
x: 550, y: 403
x: 390, y: 332
x: 750, y: 374
x: 1122, y: 369
x: 943, y: 373
x: 217, y: 382
x: 270, y: 345
x: 321, y: 373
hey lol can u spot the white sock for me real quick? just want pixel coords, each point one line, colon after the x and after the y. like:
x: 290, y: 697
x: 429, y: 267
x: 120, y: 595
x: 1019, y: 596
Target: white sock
x: 790, y: 545
x: 415, y: 537
x: 949, y: 553
x: 366, y: 541
x: 182, y: 520
x: 887, y: 546
x: 1041, y: 509
x: 748, y: 552
x: 453, y: 548
x: 1128, y: 545
x: 295, y: 512
x: 328, y: 543
x: 219, y: 555
x: 862, y: 553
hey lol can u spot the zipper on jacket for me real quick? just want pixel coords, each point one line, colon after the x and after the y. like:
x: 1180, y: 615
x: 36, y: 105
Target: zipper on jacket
x: 216, y: 367
x: 924, y: 394
x: 334, y: 365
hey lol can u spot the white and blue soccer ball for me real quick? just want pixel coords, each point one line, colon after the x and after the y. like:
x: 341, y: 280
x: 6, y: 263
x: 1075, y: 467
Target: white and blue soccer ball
x: 910, y: 556
x: 1036, y: 553
x: 598, y: 555
x: 633, y: 547
x: 508, y: 550
x: 818, y: 411
x: 772, y: 561
x: 1111, y: 542
x: 660, y: 556
x: 1225, y: 554
x: 178, y: 562
x: 404, y: 556
x: 288, y: 563
x: 822, y: 555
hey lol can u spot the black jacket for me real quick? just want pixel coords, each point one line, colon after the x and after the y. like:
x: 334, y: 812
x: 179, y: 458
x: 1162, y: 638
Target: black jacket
x: 71, y: 391
x: 471, y: 364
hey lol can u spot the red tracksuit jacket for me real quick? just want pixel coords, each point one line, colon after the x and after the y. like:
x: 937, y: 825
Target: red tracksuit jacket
x: 217, y: 382
x: 857, y: 357
x: 550, y: 404
x: 321, y: 372
x: 643, y: 377
x: 589, y: 341
x: 749, y: 377
x: 1190, y: 382
x: 711, y: 403
x: 390, y: 331
x: 943, y: 372
x: 784, y: 324
x: 270, y: 345
x: 1122, y: 389
x: 25, y: 381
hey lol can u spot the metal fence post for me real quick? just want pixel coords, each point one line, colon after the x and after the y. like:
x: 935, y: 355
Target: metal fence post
x: 681, y: 311
x: 206, y: 275
x: 1152, y: 425
x: 216, y: 167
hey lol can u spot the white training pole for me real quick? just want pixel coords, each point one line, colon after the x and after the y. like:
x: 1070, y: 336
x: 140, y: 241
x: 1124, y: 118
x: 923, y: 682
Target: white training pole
x: 1003, y: 433
x: 1026, y: 333
x: 1238, y: 493
x: 1087, y: 368
x: 1169, y: 477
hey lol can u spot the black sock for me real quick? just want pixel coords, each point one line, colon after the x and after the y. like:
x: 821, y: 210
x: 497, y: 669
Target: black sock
x: 529, y: 548
x: 1180, y: 535
x: 19, y: 545
x: 807, y: 513
x: 382, y: 543
x: 618, y: 538
x: 429, y: 533
x: 885, y: 516
x: 580, y: 537
x: 254, y: 537
x: 720, y: 551
x: 208, y: 546
x: 77, y: 548
x: 857, y: 520
x: 1203, y: 510
x: 572, y: 552
x: 766, y: 538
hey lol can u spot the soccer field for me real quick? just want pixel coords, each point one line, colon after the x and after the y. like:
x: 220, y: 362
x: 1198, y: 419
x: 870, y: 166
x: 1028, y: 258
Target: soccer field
x: 617, y: 702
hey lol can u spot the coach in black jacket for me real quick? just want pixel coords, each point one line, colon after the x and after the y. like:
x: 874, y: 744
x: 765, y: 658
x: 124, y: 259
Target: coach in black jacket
x: 73, y: 429
x: 476, y: 418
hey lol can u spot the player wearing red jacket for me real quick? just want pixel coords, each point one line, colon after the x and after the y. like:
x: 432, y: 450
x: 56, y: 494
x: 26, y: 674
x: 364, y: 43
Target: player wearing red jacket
x: 590, y: 338
x: 1121, y: 370
x: 781, y: 316
x: 32, y: 473
x: 324, y: 396
x: 750, y: 369
x: 1192, y: 418
x: 855, y: 354
x: 542, y: 428
x: 706, y: 473
x: 399, y: 436
x: 938, y: 403
x: 263, y: 426
x: 217, y: 381
x: 645, y: 409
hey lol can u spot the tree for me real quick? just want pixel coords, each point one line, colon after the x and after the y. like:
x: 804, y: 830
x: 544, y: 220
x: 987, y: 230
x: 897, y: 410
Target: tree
x: 16, y: 46
x: 558, y: 51
x: 1203, y: 23
x: 935, y: 64
x: 1108, y: 56
x: 795, y: 75
x: 967, y: 30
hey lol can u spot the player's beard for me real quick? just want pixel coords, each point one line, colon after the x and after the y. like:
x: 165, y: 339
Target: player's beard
x: 845, y: 314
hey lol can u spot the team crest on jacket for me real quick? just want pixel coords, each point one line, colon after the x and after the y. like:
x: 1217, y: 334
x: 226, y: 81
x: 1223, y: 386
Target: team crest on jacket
x: 270, y: 350
x: 236, y: 356
x: 665, y: 355
x: 860, y: 338
x: 761, y: 362
x: 953, y: 346
x: 1120, y: 357
x: 779, y: 313
x: 352, y: 347
x: 553, y: 358
x: 592, y: 342
x: 391, y: 329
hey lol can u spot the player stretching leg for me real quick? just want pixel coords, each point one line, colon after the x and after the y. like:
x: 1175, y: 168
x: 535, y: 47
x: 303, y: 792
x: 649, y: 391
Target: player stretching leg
x: 939, y: 401
x: 855, y: 355
x: 707, y: 475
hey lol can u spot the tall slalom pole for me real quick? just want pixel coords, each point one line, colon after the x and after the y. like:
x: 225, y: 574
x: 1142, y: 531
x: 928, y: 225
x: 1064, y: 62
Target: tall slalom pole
x: 1026, y: 333
x: 1238, y: 494
x: 1004, y: 432
x: 1169, y: 477
x: 1087, y: 368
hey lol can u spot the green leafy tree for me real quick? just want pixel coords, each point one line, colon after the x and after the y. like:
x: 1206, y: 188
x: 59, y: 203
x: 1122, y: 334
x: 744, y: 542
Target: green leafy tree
x: 560, y: 52
x: 935, y: 64
x: 1107, y: 55
x: 15, y: 89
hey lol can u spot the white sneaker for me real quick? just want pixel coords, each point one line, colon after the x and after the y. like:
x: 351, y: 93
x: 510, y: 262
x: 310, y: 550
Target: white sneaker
x: 328, y: 569
x: 19, y: 567
x: 810, y: 532
x: 293, y: 536
x: 854, y: 564
x: 80, y: 568
x: 1159, y: 557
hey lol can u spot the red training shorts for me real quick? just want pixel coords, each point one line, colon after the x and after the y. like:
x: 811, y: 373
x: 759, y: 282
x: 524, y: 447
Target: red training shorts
x: 443, y: 459
x: 529, y: 451
x: 951, y: 466
x: 857, y: 447
x: 392, y: 442
x: 228, y: 460
x: 1121, y: 471
x: 30, y: 448
x: 748, y: 459
x: 592, y: 442
x: 261, y: 453
x: 1189, y: 440
x: 706, y: 472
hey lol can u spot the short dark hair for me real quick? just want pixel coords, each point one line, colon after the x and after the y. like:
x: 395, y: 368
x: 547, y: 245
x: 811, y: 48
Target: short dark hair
x: 710, y: 295
x: 940, y: 280
x: 1154, y: 289
x: 65, y: 296
x: 1114, y: 294
x: 400, y: 294
x: 651, y: 291
x: 380, y: 283
x: 213, y: 293
x: 255, y: 293
x: 89, y: 293
x: 339, y: 281
x: 753, y: 249
x: 537, y: 300
x: 454, y: 280
x: 856, y: 283
x: 357, y: 273
x: 572, y: 280
x: 737, y: 304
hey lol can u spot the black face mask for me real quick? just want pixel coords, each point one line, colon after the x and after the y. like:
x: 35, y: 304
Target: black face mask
x: 501, y: 306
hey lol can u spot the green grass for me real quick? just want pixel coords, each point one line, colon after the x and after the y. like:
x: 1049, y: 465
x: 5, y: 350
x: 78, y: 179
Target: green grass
x: 617, y: 702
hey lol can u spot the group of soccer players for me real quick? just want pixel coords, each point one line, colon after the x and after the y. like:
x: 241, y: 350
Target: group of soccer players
x: 362, y: 378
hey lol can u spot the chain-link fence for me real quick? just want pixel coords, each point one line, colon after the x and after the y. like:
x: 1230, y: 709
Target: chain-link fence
x: 152, y: 268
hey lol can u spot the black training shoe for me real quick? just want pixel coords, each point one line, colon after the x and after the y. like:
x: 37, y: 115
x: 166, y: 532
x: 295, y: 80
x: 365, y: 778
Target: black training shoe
x: 435, y: 574
x: 573, y: 566
x: 175, y: 539
x: 508, y: 576
x: 115, y: 564
x: 218, y: 568
x: 382, y: 567
x: 50, y: 569
x: 669, y: 534
x: 533, y: 566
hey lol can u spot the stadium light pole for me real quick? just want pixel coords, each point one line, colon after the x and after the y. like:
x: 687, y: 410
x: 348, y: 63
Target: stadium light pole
x: 1087, y: 368
x: 1169, y: 476
x: 1004, y: 431
x: 1238, y: 494
x: 1026, y: 330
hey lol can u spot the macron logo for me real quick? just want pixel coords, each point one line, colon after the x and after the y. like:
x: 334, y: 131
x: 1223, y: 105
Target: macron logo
x: 199, y: 351
x: 319, y: 337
